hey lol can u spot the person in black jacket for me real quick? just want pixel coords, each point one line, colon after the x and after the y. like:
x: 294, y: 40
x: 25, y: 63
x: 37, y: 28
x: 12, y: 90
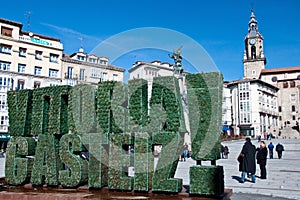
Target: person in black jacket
x: 279, y: 148
x: 261, y: 158
x: 248, y: 163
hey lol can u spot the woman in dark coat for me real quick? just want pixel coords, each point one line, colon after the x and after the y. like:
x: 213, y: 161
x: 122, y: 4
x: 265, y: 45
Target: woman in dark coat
x: 248, y: 166
x: 262, y: 159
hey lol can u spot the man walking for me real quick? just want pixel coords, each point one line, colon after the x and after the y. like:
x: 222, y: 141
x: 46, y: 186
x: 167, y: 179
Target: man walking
x: 279, y: 148
x: 271, y: 148
x: 248, y: 164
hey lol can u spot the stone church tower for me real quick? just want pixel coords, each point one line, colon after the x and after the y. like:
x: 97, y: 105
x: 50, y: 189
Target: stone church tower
x: 254, y: 58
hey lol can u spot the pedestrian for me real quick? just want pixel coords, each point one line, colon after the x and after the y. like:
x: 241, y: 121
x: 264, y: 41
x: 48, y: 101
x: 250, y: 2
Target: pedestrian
x: 259, y: 138
x: 222, y: 149
x: 279, y: 148
x: 261, y: 158
x: 248, y: 164
x: 265, y: 135
x: 184, y: 153
x: 226, y: 152
x: 271, y: 148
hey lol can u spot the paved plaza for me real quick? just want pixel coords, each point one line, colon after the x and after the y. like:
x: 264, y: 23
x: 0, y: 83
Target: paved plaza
x: 283, y: 175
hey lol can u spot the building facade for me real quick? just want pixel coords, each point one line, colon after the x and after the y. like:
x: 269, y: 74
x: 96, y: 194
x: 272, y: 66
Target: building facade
x: 254, y: 102
x: 27, y: 60
x: 84, y: 68
x: 288, y: 82
x: 254, y: 107
x: 30, y: 60
x: 226, y: 111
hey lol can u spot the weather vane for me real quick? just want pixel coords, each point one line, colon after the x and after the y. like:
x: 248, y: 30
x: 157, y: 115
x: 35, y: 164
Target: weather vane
x: 178, y: 69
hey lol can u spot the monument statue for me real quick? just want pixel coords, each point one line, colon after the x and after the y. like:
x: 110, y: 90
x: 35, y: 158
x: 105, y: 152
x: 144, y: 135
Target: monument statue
x: 178, y: 69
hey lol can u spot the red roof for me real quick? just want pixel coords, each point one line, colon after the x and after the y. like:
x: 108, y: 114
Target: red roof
x: 280, y: 70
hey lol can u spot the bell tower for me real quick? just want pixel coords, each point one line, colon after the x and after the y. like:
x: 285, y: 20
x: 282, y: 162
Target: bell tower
x: 254, y: 58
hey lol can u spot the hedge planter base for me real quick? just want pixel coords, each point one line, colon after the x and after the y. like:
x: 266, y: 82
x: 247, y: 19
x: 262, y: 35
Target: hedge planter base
x: 206, y: 180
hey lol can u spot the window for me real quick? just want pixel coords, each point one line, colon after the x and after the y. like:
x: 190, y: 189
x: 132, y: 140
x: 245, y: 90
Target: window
x: 38, y: 55
x: 21, y: 68
x: 81, y: 58
x: 6, y: 31
x: 53, y: 84
x: 293, y: 108
x: 104, y: 76
x: 285, y: 85
x: 274, y: 79
x: 293, y: 97
x: 54, y: 58
x: 70, y: 72
x: 3, y: 103
x: 279, y: 108
x: 292, y: 84
x: 22, y: 52
x: 4, y: 66
x: 115, y: 77
x: 53, y: 73
x: 5, y: 48
x: 294, y: 117
x: 92, y: 60
x: 37, y: 70
x: 103, y: 62
x: 37, y: 84
x: 253, y: 55
x: 4, y: 120
x: 4, y: 81
x: 95, y: 73
x: 81, y: 75
x: 20, y: 85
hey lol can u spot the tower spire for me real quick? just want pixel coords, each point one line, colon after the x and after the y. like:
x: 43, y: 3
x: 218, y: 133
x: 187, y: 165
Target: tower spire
x: 254, y: 58
x: 252, y: 23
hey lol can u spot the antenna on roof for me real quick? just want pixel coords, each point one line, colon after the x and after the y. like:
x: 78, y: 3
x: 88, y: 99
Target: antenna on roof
x: 27, y: 14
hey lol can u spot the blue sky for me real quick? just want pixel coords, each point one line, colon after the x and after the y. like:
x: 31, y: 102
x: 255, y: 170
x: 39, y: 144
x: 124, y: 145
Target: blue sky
x: 219, y: 26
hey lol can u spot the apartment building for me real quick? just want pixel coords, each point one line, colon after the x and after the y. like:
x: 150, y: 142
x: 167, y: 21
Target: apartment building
x: 30, y: 60
x: 27, y: 60
x: 84, y: 68
x: 288, y: 81
x: 254, y: 107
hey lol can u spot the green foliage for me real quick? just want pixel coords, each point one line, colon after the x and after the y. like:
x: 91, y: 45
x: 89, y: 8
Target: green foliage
x: 206, y: 180
x: 118, y: 178
x: 101, y: 120
x: 166, y: 109
x: 143, y: 162
x: 119, y: 109
x: 50, y: 110
x: 204, y: 93
x: 82, y: 109
x: 19, y: 111
x: 138, y: 104
x: 76, y: 171
x: 46, y: 162
x: 96, y: 144
x: 106, y: 92
x: 166, y: 166
x: 17, y: 167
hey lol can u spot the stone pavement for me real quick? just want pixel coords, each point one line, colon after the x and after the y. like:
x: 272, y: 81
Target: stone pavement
x: 283, y: 175
x: 283, y: 178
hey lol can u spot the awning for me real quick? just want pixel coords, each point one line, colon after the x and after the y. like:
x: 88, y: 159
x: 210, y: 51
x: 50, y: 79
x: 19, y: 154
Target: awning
x: 225, y: 128
x: 4, y: 137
